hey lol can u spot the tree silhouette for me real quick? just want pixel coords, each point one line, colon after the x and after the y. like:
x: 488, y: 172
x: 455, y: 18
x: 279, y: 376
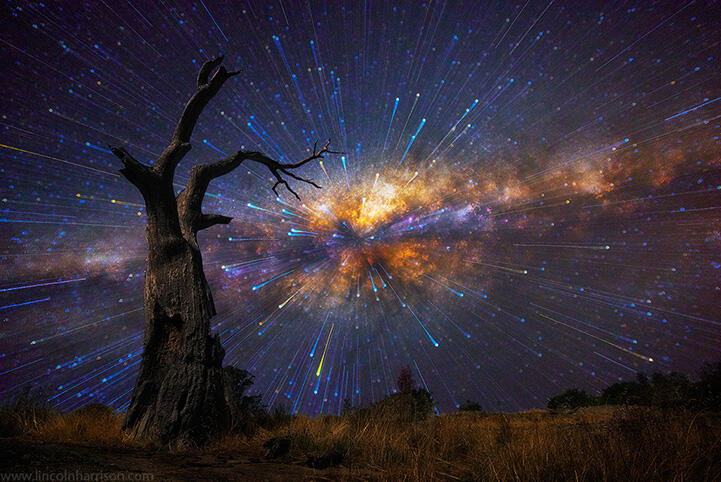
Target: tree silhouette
x: 178, y: 395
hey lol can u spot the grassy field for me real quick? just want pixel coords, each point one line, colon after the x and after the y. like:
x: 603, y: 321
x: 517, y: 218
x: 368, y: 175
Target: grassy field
x: 384, y: 443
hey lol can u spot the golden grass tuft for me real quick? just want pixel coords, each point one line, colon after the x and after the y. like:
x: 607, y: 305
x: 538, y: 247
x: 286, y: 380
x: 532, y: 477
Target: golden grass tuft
x: 95, y: 424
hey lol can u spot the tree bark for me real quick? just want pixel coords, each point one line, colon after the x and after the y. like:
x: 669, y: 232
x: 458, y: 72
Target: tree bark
x: 179, y: 394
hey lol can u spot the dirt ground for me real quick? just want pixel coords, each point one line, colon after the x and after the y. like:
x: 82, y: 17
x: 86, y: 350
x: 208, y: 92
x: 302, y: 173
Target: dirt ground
x: 32, y: 460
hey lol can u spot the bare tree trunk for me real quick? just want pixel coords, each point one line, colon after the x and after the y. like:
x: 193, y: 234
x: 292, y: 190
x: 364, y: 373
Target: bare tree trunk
x: 179, y: 394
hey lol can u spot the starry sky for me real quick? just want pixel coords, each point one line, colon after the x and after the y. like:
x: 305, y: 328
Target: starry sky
x: 528, y: 198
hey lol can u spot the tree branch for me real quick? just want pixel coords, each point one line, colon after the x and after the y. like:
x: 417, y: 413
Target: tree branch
x: 208, y: 220
x: 190, y: 200
x: 206, y: 69
x: 276, y: 168
x: 316, y: 155
x: 180, y: 143
x: 140, y: 175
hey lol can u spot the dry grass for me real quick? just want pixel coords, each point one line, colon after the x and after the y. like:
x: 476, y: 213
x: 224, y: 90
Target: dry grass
x: 96, y: 425
x: 598, y: 443
x: 593, y: 444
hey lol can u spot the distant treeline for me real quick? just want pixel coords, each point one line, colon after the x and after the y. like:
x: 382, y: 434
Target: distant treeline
x: 674, y: 390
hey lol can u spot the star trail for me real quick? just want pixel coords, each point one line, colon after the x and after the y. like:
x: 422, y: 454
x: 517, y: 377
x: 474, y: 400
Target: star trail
x: 528, y: 199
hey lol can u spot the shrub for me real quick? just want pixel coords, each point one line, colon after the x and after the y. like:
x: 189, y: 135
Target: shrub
x: 400, y: 407
x: 278, y: 416
x: 470, y: 407
x: 245, y: 410
x: 665, y: 391
x: 627, y: 393
x: 571, y: 399
x: 670, y: 391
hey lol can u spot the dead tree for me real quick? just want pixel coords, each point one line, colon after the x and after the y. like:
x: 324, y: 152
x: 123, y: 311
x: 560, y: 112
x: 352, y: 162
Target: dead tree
x: 179, y: 395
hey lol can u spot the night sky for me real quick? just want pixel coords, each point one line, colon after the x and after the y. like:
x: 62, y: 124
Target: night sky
x: 528, y: 200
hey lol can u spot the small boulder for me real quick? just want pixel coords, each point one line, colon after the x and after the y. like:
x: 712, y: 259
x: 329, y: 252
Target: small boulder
x: 276, y: 447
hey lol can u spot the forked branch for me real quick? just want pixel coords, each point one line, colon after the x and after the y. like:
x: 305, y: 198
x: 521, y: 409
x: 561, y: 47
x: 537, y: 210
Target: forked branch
x: 180, y: 143
x: 277, y: 168
x: 316, y: 155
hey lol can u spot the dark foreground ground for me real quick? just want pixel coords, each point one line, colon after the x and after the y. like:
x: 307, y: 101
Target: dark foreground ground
x: 34, y: 459
x: 594, y: 443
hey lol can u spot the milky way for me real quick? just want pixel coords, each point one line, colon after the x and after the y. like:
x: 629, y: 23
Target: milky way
x: 528, y: 198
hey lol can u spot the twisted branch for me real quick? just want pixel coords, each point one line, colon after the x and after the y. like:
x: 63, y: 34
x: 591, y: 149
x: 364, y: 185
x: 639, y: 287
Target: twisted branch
x: 316, y: 155
x: 276, y: 168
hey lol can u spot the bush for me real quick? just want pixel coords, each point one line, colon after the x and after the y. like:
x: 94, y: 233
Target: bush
x: 665, y: 391
x: 671, y: 391
x: 244, y: 409
x: 278, y: 416
x: 470, y: 407
x: 247, y: 412
x: 628, y: 393
x: 400, y: 407
x: 572, y: 399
